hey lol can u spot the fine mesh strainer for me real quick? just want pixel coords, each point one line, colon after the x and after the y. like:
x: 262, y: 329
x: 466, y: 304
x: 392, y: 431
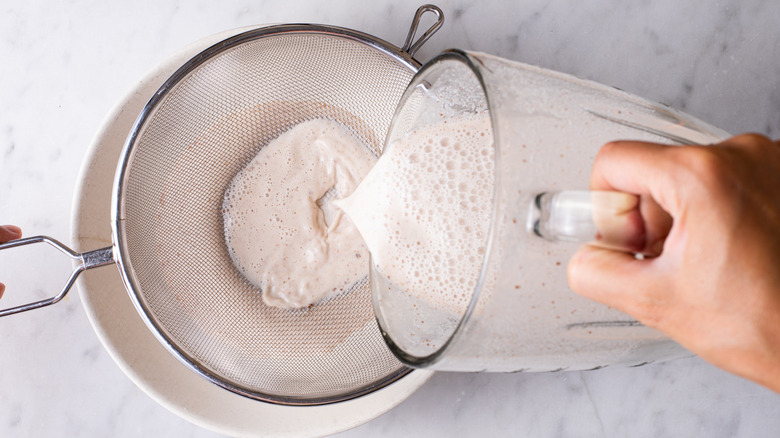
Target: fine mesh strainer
x: 201, y: 127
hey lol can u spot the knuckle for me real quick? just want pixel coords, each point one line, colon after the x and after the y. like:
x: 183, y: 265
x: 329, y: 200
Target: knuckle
x: 606, y: 161
x: 752, y: 145
x: 609, y: 148
x: 749, y: 139
x: 708, y: 166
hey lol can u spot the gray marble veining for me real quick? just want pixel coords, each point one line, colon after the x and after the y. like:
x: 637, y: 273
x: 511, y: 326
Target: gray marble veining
x: 63, y: 65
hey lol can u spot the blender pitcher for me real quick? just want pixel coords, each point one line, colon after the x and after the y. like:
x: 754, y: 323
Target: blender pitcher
x: 546, y: 130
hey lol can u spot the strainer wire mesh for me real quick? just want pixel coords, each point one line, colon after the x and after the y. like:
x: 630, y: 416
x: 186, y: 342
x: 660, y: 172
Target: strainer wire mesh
x: 194, y: 136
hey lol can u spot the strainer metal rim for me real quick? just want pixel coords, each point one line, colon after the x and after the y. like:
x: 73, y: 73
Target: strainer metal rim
x: 118, y: 225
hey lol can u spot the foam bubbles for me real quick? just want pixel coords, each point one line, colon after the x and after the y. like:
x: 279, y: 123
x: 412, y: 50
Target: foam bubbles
x: 280, y: 233
x: 435, y: 185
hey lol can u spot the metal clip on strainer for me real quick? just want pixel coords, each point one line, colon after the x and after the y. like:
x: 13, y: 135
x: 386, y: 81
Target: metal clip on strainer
x: 201, y: 127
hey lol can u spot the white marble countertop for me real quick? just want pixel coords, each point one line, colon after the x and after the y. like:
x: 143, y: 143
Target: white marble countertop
x: 63, y: 66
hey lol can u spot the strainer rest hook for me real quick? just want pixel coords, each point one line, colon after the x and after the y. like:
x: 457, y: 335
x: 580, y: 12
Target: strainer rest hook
x: 411, y: 47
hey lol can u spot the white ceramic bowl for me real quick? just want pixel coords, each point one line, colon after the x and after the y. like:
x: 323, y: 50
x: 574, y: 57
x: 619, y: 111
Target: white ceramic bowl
x: 136, y: 350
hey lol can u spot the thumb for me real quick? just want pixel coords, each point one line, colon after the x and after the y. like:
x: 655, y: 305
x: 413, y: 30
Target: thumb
x: 614, y: 278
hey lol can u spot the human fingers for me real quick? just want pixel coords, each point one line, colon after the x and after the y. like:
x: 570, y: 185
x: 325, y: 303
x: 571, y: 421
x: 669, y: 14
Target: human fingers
x: 9, y: 232
x: 619, y: 280
x: 630, y: 166
x: 715, y: 287
x: 657, y: 222
x: 753, y: 160
x: 641, y: 169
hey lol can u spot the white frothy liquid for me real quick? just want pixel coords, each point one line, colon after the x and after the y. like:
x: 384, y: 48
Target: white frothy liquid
x: 424, y: 212
x: 281, y: 231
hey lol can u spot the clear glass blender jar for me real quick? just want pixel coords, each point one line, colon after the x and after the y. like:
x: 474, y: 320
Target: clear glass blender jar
x: 546, y: 129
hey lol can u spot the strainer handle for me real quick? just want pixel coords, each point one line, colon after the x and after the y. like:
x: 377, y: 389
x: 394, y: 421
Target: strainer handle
x: 84, y: 261
x: 411, y: 47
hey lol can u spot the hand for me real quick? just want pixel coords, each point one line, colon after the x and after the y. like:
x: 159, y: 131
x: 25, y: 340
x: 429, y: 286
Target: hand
x: 8, y: 232
x: 715, y: 287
